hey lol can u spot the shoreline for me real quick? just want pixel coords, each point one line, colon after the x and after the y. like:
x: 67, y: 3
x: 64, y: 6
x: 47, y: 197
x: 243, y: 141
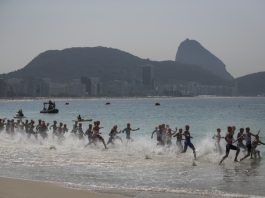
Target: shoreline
x: 20, y: 188
x: 115, y: 98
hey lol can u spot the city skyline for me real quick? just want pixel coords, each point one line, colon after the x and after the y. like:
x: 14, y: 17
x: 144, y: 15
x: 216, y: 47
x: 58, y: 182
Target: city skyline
x: 233, y: 31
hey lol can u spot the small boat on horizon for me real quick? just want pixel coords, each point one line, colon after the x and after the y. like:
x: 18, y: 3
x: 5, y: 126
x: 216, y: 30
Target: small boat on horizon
x: 80, y: 119
x: 19, y: 114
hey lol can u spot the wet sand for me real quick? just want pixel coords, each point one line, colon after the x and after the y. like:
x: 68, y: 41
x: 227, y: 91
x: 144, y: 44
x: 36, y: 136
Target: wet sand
x: 16, y: 188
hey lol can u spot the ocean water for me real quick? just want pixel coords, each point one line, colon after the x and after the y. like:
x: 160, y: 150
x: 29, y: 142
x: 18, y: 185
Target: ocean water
x: 140, y: 168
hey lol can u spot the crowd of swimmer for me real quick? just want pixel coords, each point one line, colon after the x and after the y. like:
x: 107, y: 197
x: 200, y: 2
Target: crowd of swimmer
x: 243, y: 140
x: 58, y: 130
x: 163, y: 132
x: 164, y: 136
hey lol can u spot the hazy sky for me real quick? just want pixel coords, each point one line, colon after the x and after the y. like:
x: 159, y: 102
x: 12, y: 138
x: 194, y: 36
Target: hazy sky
x: 233, y: 30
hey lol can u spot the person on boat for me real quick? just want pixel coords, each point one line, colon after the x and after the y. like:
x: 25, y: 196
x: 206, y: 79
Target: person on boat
x: 187, y: 142
x: 248, y: 143
x: 51, y: 105
x: 178, y: 135
x: 158, y: 131
x: 229, y: 145
x: 96, y: 134
x: 217, y: 138
x: 20, y: 113
x: 128, y: 130
x: 255, y: 143
x: 113, y: 135
x: 79, y: 118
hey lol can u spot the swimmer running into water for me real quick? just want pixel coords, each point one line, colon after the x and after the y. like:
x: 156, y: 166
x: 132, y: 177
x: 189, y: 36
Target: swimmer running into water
x: 218, y: 137
x: 248, y: 143
x: 178, y: 135
x: 128, y: 130
x: 113, y: 135
x: 96, y: 134
x: 229, y: 145
x: 255, y: 143
x: 158, y: 131
x: 187, y: 142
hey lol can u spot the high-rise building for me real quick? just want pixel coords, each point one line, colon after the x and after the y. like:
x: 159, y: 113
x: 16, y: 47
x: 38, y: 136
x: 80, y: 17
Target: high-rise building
x: 148, y: 75
x: 92, y: 86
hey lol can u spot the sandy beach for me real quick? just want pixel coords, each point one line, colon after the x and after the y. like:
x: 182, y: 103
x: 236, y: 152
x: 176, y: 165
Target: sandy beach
x: 16, y: 188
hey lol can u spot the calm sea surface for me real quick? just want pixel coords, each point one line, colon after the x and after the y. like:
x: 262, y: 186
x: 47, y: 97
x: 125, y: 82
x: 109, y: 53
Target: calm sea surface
x: 139, y: 167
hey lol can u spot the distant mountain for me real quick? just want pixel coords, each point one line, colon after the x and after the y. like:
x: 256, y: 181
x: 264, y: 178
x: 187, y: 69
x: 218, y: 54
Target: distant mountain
x: 192, y: 52
x: 252, y: 84
x: 109, y: 64
x: 67, y: 64
x: 172, y: 72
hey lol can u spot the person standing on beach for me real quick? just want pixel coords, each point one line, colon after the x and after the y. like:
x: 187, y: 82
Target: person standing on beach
x: 187, y: 142
x: 128, y: 130
x: 229, y: 145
